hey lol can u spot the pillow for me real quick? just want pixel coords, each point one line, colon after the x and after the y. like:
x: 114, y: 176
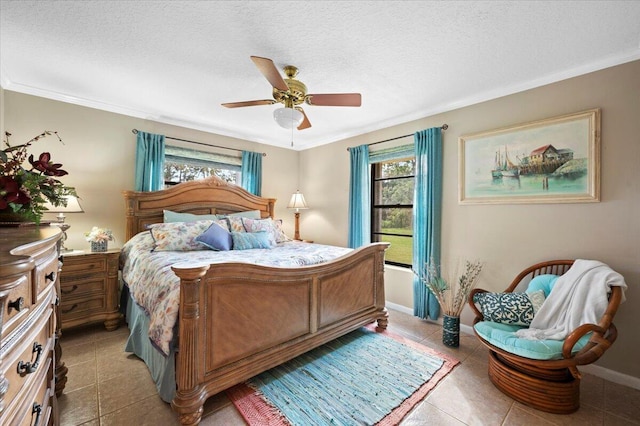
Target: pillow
x: 267, y: 225
x: 216, y: 237
x: 281, y: 237
x: 178, y: 236
x: 509, y: 308
x: 170, y: 217
x: 235, y: 224
x: 543, y: 282
x: 251, y: 214
x: 250, y: 240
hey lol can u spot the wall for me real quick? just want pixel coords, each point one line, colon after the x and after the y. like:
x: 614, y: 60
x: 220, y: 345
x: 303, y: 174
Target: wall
x: 98, y: 151
x: 509, y: 238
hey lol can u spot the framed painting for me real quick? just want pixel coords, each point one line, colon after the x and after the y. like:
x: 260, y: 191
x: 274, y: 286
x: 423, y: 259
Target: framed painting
x: 556, y: 160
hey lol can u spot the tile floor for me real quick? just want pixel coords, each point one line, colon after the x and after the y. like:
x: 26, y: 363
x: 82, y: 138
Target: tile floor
x: 107, y: 386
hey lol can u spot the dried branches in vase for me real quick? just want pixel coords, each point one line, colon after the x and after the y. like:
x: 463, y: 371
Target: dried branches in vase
x: 451, y: 285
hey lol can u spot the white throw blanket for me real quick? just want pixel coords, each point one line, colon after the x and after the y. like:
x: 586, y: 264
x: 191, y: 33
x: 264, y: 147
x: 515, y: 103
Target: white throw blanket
x: 578, y: 297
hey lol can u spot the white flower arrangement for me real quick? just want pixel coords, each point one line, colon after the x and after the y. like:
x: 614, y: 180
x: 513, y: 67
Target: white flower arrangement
x: 98, y: 235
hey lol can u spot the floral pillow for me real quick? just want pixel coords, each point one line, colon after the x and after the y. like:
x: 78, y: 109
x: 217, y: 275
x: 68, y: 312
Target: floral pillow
x: 509, y: 308
x: 178, y: 236
x: 251, y: 240
x: 235, y: 224
x: 261, y: 225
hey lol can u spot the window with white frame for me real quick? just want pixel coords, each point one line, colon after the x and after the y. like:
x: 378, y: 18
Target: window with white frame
x: 182, y: 165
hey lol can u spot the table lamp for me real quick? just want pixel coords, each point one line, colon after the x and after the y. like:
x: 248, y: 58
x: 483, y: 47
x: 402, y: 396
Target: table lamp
x: 297, y: 202
x: 73, y: 206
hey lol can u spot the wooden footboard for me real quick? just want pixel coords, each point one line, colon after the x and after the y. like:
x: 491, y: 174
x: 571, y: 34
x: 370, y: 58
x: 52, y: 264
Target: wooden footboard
x: 238, y: 320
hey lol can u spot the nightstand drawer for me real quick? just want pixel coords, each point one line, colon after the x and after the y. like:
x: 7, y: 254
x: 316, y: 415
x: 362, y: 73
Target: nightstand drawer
x: 83, y: 265
x: 71, y: 308
x: 81, y: 285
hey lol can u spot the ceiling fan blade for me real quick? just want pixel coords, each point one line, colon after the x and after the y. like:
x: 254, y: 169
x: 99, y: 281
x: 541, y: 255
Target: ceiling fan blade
x: 271, y: 73
x: 335, y: 99
x: 305, y: 121
x: 249, y: 103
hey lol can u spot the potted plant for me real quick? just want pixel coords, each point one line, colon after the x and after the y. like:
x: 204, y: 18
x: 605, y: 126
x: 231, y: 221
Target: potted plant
x: 25, y: 190
x: 451, y: 286
x: 99, y: 238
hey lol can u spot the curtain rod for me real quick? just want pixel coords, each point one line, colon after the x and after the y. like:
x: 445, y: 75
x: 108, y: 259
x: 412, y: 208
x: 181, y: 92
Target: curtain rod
x: 443, y: 127
x: 135, y: 132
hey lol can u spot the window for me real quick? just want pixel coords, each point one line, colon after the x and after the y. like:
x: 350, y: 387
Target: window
x: 392, y: 208
x: 182, y: 165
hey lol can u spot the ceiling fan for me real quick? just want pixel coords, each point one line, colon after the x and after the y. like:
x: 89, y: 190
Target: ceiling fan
x: 291, y: 93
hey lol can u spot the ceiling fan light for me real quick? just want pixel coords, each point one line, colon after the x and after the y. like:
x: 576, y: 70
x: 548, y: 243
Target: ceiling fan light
x: 288, y: 118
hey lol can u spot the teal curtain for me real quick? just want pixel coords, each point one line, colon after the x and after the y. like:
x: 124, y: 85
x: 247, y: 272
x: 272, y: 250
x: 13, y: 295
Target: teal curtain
x: 149, y: 162
x: 252, y: 172
x: 427, y: 211
x: 359, y: 197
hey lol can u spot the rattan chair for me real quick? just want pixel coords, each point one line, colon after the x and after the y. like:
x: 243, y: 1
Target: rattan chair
x: 549, y: 385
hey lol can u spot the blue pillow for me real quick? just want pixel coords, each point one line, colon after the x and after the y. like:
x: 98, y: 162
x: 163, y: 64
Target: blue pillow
x: 216, y: 238
x: 250, y: 240
x: 171, y: 217
x: 543, y: 282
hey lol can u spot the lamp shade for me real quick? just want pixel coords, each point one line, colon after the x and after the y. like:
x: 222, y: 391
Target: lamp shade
x: 288, y: 117
x: 297, y: 202
x: 73, y: 206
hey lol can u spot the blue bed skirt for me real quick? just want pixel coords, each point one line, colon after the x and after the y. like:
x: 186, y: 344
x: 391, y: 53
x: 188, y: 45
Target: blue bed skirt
x: 162, y: 368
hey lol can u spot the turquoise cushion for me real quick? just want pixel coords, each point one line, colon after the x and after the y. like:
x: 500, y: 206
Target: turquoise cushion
x: 503, y: 336
x: 251, y: 240
x: 251, y: 214
x: 542, y: 282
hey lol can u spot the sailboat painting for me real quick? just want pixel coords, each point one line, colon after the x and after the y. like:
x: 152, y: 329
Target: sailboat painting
x: 556, y: 160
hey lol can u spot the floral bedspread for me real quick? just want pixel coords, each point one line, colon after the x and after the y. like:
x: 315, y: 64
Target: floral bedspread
x: 155, y: 287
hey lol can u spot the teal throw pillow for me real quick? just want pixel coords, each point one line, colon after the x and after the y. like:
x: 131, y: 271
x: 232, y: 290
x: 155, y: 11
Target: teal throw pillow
x: 251, y: 240
x: 509, y: 308
x: 171, y: 217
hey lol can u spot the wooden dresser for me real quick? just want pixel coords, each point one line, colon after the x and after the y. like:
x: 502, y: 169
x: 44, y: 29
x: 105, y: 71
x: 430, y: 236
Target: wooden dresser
x: 89, y: 289
x: 29, y: 270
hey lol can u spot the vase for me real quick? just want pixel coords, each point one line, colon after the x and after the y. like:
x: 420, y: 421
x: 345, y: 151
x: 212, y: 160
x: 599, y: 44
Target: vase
x: 451, y: 331
x: 99, y: 246
x: 10, y: 218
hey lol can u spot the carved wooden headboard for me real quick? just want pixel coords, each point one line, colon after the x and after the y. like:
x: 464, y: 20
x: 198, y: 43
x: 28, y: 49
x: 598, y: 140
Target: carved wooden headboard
x: 206, y: 196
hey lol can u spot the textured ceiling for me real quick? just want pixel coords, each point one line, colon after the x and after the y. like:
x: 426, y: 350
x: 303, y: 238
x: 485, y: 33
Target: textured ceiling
x: 177, y: 61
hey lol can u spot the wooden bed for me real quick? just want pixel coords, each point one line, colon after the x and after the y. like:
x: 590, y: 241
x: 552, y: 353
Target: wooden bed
x: 237, y: 320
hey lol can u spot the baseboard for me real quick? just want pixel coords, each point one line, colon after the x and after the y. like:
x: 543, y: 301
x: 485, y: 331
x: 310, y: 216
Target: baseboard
x: 399, y: 308
x: 596, y: 370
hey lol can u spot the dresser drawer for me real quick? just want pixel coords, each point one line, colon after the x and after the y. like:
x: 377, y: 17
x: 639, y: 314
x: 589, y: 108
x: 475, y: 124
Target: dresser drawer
x: 35, y: 407
x: 46, y: 273
x: 18, y: 363
x: 18, y: 304
x: 75, y: 308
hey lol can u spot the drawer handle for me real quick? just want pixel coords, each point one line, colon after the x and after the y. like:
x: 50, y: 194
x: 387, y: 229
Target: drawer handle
x: 37, y: 410
x: 66, y: 311
x: 51, y: 276
x: 74, y: 288
x: 25, y: 368
x: 17, y: 304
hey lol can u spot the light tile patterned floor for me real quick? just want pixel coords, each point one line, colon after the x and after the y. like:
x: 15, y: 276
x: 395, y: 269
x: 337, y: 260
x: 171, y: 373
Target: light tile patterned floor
x: 107, y: 386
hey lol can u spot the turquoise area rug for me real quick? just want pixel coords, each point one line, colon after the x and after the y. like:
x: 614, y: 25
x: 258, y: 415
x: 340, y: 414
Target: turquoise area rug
x: 363, y: 378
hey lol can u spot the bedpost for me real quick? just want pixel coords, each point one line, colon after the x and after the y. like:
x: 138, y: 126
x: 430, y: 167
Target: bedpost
x: 190, y: 396
x: 383, y: 319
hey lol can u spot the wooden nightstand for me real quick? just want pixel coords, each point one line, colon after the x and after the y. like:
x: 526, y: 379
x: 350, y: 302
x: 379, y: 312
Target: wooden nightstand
x: 89, y: 287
